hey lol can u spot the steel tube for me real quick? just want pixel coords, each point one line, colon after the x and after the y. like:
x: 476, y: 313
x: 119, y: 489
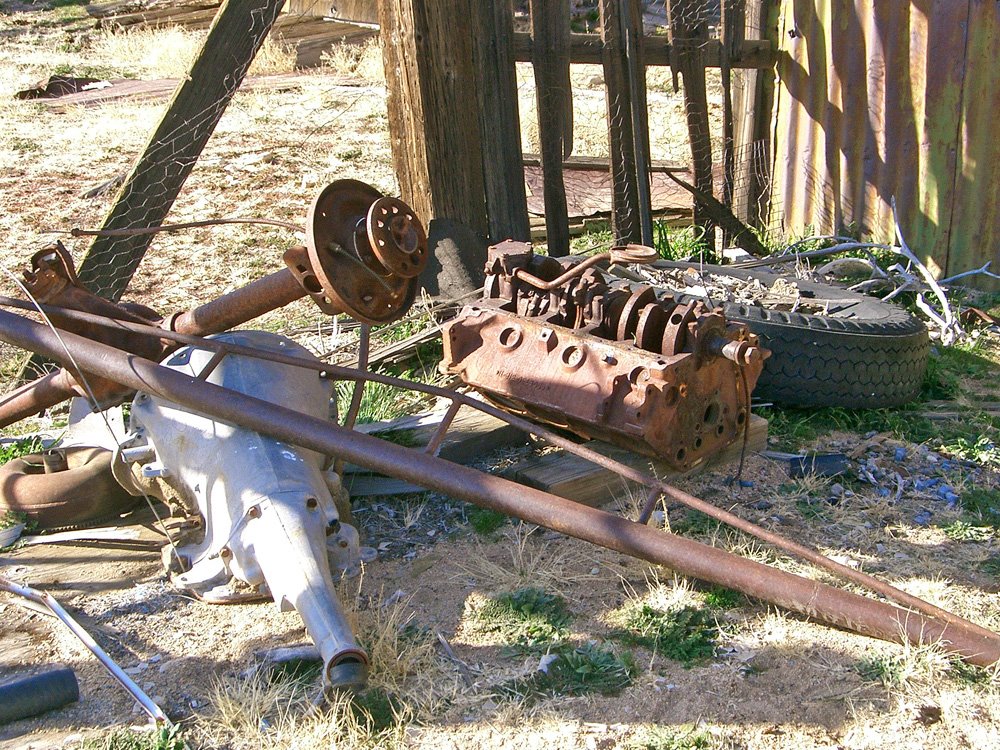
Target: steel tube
x: 813, y: 599
x: 626, y: 472
x: 31, y: 398
x: 55, y: 608
x: 246, y: 303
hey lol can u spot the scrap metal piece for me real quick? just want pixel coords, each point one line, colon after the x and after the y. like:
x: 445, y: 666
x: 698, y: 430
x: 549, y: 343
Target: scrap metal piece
x: 54, y: 608
x: 365, y: 251
x: 270, y: 521
x: 605, y: 359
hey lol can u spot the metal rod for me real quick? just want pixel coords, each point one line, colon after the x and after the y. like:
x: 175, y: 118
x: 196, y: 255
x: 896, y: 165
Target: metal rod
x: 626, y: 472
x: 34, y: 397
x: 46, y: 600
x: 256, y: 298
x: 811, y: 598
x: 434, y: 446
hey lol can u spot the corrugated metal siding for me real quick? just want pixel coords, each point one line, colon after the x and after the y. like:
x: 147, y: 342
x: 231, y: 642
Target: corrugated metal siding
x: 878, y: 99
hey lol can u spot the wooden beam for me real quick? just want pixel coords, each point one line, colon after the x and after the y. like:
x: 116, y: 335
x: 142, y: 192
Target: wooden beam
x: 688, y: 39
x: 586, y: 48
x: 628, y: 121
x: 574, y: 478
x: 149, y: 191
x: 499, y: 122
x: 432, y: 103
x: 554, y: 94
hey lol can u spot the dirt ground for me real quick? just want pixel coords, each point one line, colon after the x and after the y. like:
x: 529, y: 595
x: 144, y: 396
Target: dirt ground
x: 774, y: 680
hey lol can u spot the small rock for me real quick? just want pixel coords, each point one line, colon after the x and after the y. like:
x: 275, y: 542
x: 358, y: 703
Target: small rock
x: 746, y: 483
x: 882, y: 491
x: 762, y: 505
x: 900, y: 454
x: 837, y: 489
x: 921, y: 519
x: 870, y: 434
x: 880, y: 548
x: 545, y: 661
x: 595, y: 570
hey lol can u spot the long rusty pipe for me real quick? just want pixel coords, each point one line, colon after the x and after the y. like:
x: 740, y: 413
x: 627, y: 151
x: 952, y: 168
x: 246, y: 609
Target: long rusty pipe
x: 626, y: 472
x: 811, y: 598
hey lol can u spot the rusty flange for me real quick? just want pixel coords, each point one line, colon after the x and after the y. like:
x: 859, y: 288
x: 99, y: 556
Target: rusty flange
x: 365, y: 250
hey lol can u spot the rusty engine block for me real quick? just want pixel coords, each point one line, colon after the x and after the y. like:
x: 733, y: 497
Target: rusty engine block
x: 566, y: 344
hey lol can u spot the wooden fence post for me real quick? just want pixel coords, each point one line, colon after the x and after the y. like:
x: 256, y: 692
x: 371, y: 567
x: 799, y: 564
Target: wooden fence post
x: 427, y: 48
x: 550, y: 59
x: 688, y: 36
x: 628, y: 121
x: 499, y: 123
x: 238, y: 31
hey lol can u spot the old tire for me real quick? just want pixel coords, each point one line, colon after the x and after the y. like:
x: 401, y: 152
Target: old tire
x: 83, y: 493
x: 865, y: 354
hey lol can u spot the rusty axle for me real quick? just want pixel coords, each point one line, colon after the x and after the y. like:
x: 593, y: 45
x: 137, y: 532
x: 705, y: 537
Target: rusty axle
x: 817, y: 600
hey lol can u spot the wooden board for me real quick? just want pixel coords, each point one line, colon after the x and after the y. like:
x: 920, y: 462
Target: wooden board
x: 572, y: 477
x: 471, y: 436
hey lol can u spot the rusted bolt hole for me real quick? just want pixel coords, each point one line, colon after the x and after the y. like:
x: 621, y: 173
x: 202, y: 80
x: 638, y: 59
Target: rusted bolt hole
x: 509, y: 337
x: 697, y: 443
x: 572, y: 356
x: 681, y: 452
x: 741, y: 417
x: 312, y: 503
x: 711, y: 413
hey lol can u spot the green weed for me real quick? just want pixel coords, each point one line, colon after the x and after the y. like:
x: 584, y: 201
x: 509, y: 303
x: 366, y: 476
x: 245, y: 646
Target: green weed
x: 722, y: 598
x: 991, y: 566
x: 573, y: 671
x: 792, y: 428
x: 684, y: 634
x: 526, y: 619
x: 962, y: 531
x: 23, y: 447
x: 880, y: 668
x: 695, y: 523
x: 128, y: 739
x: 982, y: 450
x: 981, y: 505
x: 672, y: 738
x: 682, y: 243
x: 486, y: 520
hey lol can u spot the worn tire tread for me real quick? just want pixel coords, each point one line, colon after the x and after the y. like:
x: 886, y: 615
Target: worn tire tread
x: 875, y: 355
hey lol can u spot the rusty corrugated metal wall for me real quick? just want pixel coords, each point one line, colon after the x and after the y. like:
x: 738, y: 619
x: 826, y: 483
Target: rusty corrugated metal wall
x: 882, y: 98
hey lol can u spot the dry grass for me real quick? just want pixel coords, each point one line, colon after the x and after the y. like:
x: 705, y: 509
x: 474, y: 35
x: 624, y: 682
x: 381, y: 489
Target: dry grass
x: 361, y: 61
x: 531, y: 561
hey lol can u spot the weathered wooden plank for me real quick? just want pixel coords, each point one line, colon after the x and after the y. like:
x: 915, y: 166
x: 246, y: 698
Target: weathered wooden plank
x: 157, y: 177
x: 602, y: 164
x: 688, y: 36
x: 503, y: 177
x: 587, y: 48
x: 570, y: 476
x: 431, y: 79
x: 554, y: 93
x: 628, y: 122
